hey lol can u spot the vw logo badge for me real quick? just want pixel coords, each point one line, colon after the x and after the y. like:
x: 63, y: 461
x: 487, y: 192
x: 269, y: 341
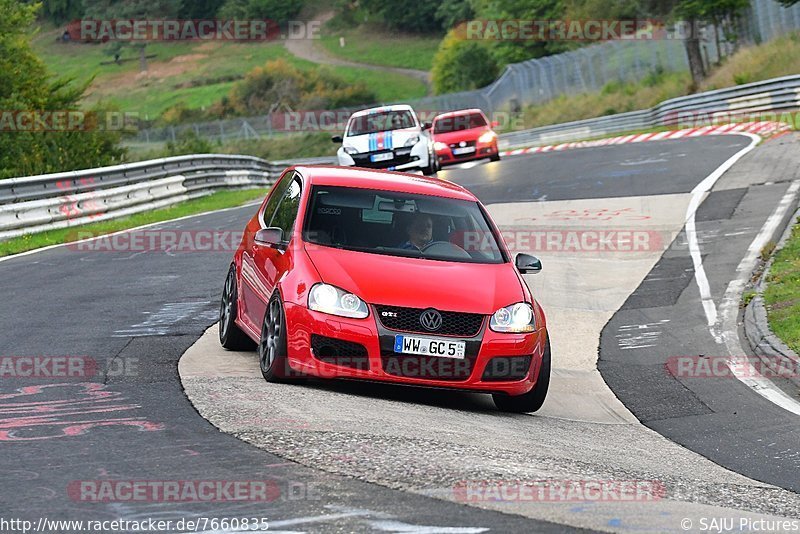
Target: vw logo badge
x: 431, y: 320
x: 462, y: 143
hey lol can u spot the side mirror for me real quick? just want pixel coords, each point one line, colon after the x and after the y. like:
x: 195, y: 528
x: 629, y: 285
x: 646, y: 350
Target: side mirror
x: 427, y: 125
x: 337, y: 139
x: 527, y: 264
x: 495, y: 124
x: 271, y: 237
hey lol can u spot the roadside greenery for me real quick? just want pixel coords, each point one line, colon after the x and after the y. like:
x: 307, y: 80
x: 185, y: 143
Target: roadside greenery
x: 782, y: 295
x: 215, y: 201
x: 26, y: 86
x: 779, y: 57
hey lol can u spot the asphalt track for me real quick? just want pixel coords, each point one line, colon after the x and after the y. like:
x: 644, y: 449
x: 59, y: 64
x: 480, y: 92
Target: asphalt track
x: 144, y: 310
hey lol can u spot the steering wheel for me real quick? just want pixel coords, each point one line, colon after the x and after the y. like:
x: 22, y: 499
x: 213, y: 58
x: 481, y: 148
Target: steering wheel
x: 445, y: 249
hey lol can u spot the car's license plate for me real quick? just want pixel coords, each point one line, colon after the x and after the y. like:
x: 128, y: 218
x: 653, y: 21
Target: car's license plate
x: 464, y: 150
x: 429, y: 346
x: 386, y: 156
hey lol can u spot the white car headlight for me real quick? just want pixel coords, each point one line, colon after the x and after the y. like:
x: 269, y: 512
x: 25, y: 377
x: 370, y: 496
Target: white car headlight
x: 330, y: 299
x: 517, y: 318
x: 350, y: 150
x: 487, y: 137
x: 412, y: 141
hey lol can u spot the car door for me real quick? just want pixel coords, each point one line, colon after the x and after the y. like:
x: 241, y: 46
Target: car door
x: 270, y: 263
x: 252, y: 290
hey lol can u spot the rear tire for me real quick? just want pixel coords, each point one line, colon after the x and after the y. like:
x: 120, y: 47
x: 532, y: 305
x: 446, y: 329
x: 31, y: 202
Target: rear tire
x: 272, y: 352
x: 231, y: 336
x: 531, y: 401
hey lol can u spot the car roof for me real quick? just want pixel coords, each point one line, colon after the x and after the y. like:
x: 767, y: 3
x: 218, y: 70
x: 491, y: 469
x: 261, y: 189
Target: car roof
x: 382, y: 109
x: 398, y: 182
x: 457, y: 113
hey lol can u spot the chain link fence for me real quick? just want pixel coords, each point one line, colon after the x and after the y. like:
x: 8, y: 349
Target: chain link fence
x: 536, y: 81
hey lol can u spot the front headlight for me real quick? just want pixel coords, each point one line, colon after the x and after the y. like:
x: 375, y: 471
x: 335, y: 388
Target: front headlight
x: 517, y: 318
x: 330, y: 299
x: 412, y: 141
x: 350, y: 150
x: 438, y: 145
x: 487, y: 137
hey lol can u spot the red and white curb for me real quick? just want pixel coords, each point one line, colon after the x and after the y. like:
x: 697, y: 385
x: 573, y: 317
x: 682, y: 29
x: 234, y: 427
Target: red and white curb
x: 761, y: 128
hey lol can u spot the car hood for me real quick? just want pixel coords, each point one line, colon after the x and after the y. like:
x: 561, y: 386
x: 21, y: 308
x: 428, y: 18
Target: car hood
x: 418, y: 283
x: 381, y: 140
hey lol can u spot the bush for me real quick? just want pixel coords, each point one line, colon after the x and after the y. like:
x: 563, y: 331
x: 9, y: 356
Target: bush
x: 461, y: 65
x: 278, y: 85
x: 188, y: 142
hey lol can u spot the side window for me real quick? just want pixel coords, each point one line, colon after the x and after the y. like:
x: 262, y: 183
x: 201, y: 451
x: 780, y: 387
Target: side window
x: 275, y: 198
x: 286, y: 214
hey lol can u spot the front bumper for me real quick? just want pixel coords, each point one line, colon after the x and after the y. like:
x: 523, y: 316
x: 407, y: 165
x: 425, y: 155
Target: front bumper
x: 482, y: 151
x: 403, y: 158
x: 363, y: 349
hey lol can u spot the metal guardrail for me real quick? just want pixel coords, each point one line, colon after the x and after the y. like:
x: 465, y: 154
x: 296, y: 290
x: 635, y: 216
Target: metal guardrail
x: 777, y: 95
x: 38, y: 203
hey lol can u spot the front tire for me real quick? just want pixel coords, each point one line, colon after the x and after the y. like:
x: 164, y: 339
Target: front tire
x: 272, y: 352
x: 231, y: 336
x: 531, y: 401
x: 433, y: 165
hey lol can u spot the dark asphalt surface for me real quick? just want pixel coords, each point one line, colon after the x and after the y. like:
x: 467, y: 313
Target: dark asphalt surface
x: 718, y: 417
x: 142, y: 311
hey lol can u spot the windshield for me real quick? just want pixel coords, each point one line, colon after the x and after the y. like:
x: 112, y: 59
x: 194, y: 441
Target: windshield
x: 457, y: 123
x: 400, y: 224
x: 381, y: 122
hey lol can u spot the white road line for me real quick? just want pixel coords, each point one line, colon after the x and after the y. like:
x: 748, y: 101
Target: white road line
x: 698, y: 193
x: 728, y: 310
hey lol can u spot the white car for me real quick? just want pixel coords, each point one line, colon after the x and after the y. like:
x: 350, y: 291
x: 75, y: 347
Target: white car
x: 389, y: 137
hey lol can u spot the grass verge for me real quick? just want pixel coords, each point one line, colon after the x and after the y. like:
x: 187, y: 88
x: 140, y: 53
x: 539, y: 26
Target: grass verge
x: 196, y: 74
x: 215, y: 201
x: 782, y: 295
x: 366, y: 45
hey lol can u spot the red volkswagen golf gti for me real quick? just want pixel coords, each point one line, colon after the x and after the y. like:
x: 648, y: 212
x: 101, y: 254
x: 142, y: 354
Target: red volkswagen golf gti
x: 464, y: 135
x: 387, y: 276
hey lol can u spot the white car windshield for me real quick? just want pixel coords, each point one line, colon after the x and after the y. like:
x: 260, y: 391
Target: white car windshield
x: 381, y: 122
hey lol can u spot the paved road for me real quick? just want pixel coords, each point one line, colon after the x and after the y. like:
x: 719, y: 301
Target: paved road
x: 146, y: 309
x: 719, y: 417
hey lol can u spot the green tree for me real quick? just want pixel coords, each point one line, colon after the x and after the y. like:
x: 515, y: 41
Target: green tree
x: 461, y: 65
x: 418, y: 16
x: 507, y: 51
x: 451, y: 13
x: 26, y: 86
x: 59, y: 11
x: 279, y: 11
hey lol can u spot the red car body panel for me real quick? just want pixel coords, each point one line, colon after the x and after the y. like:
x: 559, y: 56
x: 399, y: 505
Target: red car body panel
x: 470, y: 135
x: 380, y: 280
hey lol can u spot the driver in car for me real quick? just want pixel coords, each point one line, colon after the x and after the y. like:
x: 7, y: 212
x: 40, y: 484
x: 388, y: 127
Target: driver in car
x: 420, y: 232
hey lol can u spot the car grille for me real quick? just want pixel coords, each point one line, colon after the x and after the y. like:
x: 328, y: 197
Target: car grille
x: 362, y: 160
x: 408, y: 320
x: 506, y: 368
x: 458, y: 145
x: 339, y: 352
